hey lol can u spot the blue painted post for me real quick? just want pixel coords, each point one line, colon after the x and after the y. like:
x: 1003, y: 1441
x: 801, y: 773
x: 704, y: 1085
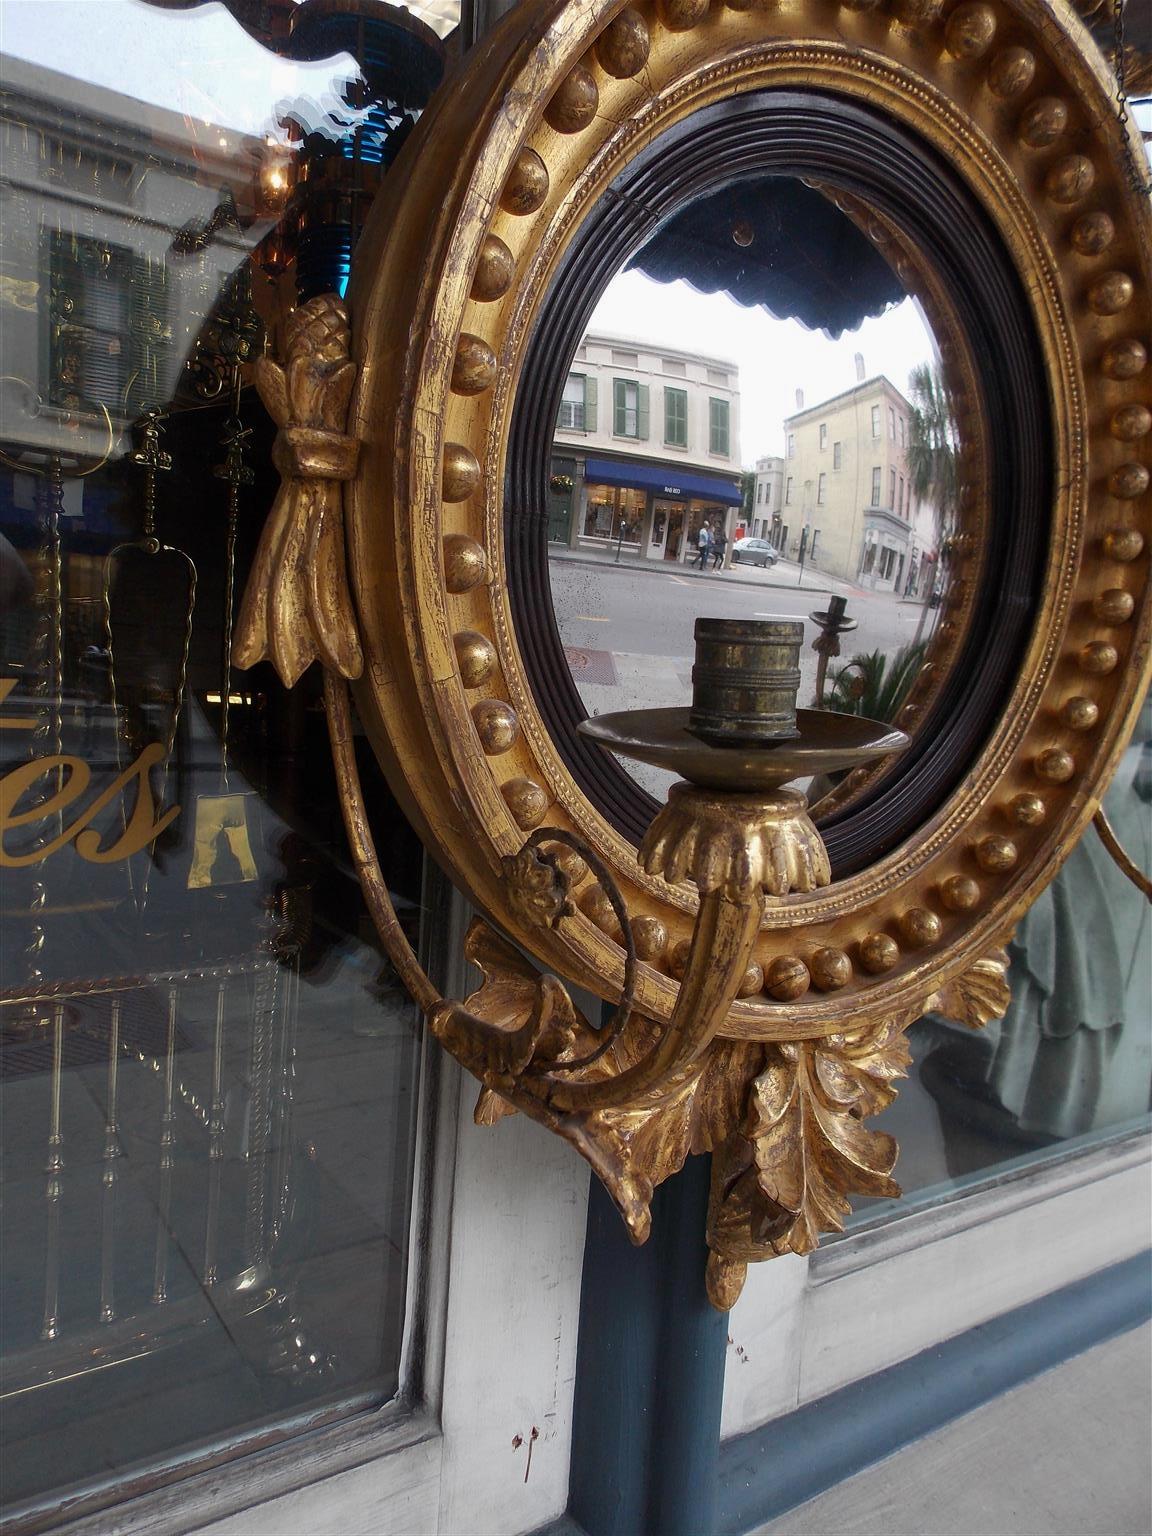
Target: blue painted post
x: 650, y: 1371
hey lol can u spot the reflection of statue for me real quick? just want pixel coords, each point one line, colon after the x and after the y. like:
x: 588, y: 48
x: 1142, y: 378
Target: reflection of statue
x: 1074, y: 1052
x: 223, y: 854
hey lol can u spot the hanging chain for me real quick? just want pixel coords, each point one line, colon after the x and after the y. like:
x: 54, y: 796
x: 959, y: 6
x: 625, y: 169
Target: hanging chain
x: 236, y: 473
x: 1139, y: 180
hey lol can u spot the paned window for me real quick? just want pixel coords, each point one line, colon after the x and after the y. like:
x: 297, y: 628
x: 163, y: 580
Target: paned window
x: 892, y: 489
x: 821, y: 490
x: 837, y: 455
x: 876, y: 485
x: 892, y: 423
x: 875, y: 421
x: 788, y: 492
x: 676, y: 417
x: 630, y: 408
x: 823, y: 434
x: 572, y: 403
x: 791, y: 445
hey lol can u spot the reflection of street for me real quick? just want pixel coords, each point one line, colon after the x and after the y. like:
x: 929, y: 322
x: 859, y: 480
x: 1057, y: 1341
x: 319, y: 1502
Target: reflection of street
x: 642, y: 622
x: 645, y: 621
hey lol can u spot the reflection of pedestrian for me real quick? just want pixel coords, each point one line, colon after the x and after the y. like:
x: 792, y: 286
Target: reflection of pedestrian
x: 703, y: 541
x: 718, y: 544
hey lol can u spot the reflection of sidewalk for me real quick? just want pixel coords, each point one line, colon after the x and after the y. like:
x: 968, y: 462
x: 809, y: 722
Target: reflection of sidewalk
x: 784, y: 574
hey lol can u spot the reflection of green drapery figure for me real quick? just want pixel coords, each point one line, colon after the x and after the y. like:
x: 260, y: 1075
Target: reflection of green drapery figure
x: 1074, y: 1052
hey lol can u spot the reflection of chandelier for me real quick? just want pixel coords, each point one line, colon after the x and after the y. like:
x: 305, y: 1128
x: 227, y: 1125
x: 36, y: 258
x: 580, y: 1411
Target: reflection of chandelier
x: 402, y: 62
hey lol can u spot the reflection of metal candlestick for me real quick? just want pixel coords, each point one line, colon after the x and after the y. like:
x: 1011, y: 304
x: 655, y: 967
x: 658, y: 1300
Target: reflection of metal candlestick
x: 832, y: 624
x: 731, y: 826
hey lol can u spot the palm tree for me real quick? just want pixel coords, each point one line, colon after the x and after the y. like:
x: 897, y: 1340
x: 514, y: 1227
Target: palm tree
x: 875, y: 684
x: 932, y: 460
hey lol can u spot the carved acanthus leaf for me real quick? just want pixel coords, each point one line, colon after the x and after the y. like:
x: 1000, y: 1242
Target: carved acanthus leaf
x: 977, y: 996
x: 803, y: 1149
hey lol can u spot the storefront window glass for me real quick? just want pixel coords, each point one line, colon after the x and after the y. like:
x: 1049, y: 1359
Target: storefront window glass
x: 1071, y: 1061
x: 208, y: 1074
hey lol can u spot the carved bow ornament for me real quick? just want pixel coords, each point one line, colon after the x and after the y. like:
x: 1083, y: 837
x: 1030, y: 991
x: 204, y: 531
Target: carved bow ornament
x: 297, y: 606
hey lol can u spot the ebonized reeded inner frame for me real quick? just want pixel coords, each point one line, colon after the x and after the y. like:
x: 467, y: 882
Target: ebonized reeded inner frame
x: 842, y: 144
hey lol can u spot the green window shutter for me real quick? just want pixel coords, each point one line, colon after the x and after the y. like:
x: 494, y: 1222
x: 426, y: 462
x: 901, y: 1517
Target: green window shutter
x: 718, y: 426
x: 642, y: 411
x: 619, y: 407
x: 676, y: 417
x: 589, y: 403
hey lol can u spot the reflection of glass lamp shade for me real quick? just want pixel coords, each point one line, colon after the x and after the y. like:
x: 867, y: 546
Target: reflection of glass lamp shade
x: 402, y: 62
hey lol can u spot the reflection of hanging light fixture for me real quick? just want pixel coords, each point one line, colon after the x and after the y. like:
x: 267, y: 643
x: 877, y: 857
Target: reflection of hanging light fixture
x: 401, y: 62
x: 742, y: 233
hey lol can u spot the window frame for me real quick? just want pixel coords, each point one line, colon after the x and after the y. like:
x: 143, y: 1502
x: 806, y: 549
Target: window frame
x: 621, y: 409
x: 561, y: 424
x: 877, y: 485
x: 405, y: 1460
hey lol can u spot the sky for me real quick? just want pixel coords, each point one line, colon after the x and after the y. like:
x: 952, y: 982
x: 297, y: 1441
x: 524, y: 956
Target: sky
x: 775, y: 357
x: 199, y: 63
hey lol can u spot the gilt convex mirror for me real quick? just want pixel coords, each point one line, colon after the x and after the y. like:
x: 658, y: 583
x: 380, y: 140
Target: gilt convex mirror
x: 974, y: 152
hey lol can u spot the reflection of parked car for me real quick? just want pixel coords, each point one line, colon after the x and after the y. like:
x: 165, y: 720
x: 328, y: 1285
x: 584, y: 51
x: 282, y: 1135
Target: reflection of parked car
x: 754, y: 552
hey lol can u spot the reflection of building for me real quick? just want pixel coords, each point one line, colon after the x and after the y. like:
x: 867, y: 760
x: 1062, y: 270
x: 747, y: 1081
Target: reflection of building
x: 647, y: 448
x: 848, y: 493
x: 767, y: 497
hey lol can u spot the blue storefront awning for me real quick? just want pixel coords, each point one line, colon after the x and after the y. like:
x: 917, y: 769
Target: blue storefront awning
x: 662, y: 480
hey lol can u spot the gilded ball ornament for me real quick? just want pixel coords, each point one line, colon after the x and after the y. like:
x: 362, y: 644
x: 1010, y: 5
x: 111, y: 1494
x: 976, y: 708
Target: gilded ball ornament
x: 1124, y: 544
x: 1068, y: 181
x: 752, y: 981
x: 919, y: 927
x: 678, y: 958
x: 465, y: 563
x: 622, y: 48
x: 970, y: 30
x: 877, y: 953
x: 1043, y: 122
x: 495, y: 269
x: 650, y: 936
x: 1055, y: 766
x: 1079, y: 713
x: 1125, y: 359
x: 475, y: 656
x: 1115, y: 606
x: 527, y: 185
x: 1099, y: 658
x: 1011, y: 72
x: 597, y: 908
x: 460, y: 474
x: 1111, y: 293
x: 996, y: 855
x: 960, y: 893
x: 1130, y: 423
x: 496, y: 725
x: 575, y: 103
x: 527, y: 802
x: 1093, y: 233
x: 682, y: 15
x: 1128, y: 481
x: 474, y: 366
x: 568, y: 861
x: 787, y: 978
x: 830, y: 968
x: 1026, y: 810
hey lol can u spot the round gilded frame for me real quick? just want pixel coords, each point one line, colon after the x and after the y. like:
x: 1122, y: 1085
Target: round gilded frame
x: 449, y: 280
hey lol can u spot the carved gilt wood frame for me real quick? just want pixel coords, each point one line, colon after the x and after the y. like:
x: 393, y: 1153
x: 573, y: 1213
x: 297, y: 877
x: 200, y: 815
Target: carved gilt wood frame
x: 462, y: 250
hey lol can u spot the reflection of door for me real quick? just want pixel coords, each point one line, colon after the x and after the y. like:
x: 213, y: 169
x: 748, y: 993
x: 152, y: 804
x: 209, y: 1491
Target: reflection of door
x: 675, y: 533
